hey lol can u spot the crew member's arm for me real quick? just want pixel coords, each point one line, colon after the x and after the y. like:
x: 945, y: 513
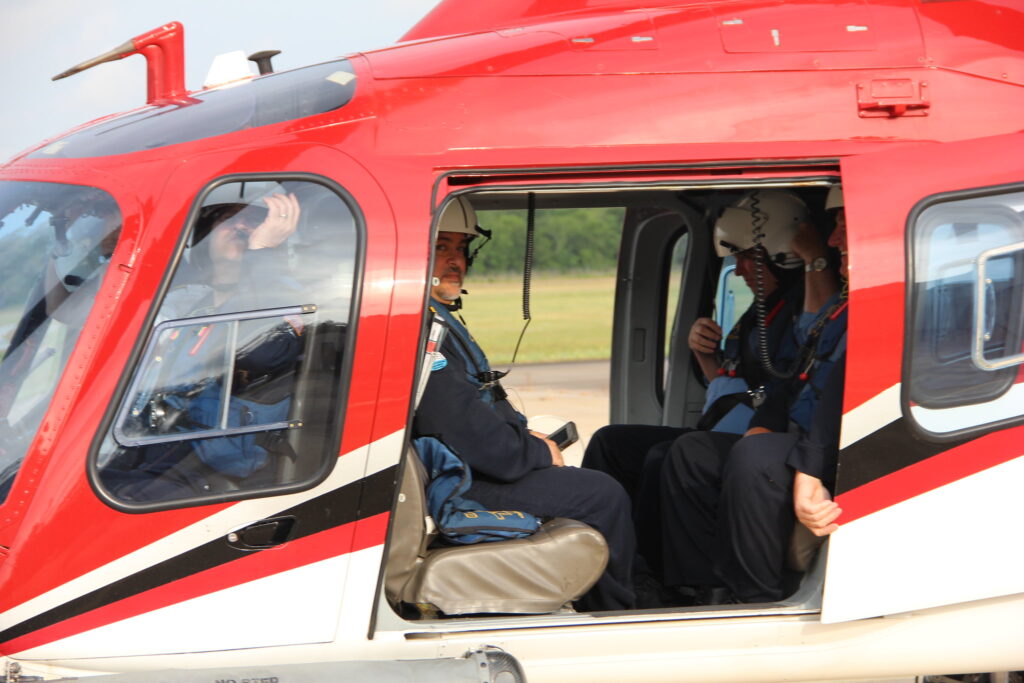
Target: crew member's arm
x: 814, y: 460
x: 493, y: 440
x: 819, y: 285
x: 705, y: 336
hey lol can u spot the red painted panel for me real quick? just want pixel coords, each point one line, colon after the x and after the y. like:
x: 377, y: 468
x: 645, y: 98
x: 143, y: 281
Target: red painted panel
x: 881, y: 191
x: 57, y: 465
x: 976, y: 36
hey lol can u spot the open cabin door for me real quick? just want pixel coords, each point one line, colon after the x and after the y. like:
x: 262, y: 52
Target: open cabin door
x: 931, y: 461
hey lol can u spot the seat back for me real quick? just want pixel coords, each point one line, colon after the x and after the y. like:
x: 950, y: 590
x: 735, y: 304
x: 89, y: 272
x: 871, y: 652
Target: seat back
x: 411, y: 529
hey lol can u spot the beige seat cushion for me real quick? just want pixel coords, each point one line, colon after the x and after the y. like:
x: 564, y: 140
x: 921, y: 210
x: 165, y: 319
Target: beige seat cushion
x: 532, y: 575
x: 536, y: 574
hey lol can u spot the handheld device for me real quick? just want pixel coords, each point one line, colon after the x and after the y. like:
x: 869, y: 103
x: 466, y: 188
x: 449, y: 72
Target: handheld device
x: 565, y: 436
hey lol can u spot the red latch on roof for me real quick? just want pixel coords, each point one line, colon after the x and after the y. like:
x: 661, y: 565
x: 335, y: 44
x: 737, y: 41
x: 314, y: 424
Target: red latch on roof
x: 892, y: 97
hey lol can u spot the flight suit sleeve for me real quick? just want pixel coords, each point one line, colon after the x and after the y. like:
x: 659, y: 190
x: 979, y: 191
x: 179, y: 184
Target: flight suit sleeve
x: 491, y: 438
x: 817, y: 452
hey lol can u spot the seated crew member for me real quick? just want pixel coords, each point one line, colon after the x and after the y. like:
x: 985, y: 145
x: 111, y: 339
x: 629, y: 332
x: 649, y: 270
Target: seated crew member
x: 217, y: 279
x: 633, y: 454
x: 512, y: 468
x: 723, y: 524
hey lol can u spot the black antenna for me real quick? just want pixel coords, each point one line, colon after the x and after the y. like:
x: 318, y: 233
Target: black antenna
x: 262, y: 60
x: 531, y: 213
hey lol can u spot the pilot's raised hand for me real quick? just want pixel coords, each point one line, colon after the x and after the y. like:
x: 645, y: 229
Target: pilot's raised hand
x: 813, y: 505
x: 283, y: 213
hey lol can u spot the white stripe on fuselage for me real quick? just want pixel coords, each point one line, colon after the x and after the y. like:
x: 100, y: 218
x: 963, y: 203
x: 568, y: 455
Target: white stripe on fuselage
x: 870, y: 416
x: 948, y: 545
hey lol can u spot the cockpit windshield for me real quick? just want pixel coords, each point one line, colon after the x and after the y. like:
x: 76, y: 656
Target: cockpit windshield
x: 55, y: 243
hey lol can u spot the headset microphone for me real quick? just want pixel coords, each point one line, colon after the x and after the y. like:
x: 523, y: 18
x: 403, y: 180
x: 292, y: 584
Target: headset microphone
x: 434, y: 282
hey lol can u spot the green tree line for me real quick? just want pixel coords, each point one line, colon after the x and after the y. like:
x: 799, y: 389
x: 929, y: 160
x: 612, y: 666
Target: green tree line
x: 565, y: 241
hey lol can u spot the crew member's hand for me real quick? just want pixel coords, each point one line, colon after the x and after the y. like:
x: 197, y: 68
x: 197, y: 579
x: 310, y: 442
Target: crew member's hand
x: 819, y: 285
x: 807, y: 243
x: 813, y: 505
x: 556, y: 455
x: 705, y: 335
x: 283, y: 213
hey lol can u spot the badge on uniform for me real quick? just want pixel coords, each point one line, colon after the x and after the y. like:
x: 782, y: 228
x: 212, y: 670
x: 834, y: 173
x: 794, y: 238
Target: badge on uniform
x: 434, y: 341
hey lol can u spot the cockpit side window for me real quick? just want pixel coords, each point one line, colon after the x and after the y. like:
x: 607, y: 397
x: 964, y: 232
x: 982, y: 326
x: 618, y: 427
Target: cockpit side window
x: 238, y: 389
x: 55, y: 244
x: 967, y: 308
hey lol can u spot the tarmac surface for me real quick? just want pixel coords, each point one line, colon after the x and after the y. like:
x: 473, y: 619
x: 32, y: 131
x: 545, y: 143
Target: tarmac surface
x: 576, y: 390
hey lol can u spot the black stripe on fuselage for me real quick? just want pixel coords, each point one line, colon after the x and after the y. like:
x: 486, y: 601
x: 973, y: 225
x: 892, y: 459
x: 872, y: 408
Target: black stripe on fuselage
x: 333, y: 509
x: 883, y: 452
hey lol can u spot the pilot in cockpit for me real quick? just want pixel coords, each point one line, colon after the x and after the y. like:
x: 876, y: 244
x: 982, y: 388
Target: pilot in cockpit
x: 188, y: 388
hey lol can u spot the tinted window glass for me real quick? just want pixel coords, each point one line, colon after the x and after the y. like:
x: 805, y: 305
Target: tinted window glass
x: 239, y: 387
x: 967, y: 313
x: 55, y: 244
x: 260, y: 102
x: 733, y: 297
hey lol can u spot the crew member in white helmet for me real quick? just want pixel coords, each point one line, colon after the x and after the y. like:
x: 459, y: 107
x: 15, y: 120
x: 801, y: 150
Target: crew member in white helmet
x: 512, y: 468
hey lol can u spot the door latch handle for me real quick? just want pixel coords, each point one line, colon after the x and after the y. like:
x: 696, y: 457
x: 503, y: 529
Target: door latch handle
x: 266, y: 533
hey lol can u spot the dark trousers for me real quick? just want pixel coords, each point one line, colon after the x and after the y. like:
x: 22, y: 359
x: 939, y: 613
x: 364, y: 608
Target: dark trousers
x: 728, y: 512
x: 590, y: 497
x: 633, y: 456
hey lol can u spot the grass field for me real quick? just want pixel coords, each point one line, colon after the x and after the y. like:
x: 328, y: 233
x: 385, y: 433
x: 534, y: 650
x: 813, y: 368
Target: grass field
x: 572, y: 317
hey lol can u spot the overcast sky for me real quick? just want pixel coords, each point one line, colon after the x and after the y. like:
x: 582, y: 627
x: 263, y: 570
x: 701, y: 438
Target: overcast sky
x: 41, y: 38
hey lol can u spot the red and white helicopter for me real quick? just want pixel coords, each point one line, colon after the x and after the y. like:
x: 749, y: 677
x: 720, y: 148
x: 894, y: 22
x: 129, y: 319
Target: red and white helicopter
x: 311, y: 560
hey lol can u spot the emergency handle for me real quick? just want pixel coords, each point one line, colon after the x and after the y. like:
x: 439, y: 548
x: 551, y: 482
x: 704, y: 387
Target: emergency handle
x: 984, y: 313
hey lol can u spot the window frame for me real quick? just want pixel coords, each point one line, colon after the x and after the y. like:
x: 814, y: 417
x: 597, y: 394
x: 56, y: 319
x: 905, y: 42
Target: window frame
x: 149, y: 330
x: 912, y: 308
x: 232, y: 319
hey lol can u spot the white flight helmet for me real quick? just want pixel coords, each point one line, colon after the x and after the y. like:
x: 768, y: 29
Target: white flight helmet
x: 458, y: 216
x: 780, y: 214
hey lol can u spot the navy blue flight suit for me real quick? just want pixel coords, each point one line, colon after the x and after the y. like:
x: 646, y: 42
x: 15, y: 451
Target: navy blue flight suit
x: 727, y: 500
x: 512, y: 470
x: 634, y: 453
